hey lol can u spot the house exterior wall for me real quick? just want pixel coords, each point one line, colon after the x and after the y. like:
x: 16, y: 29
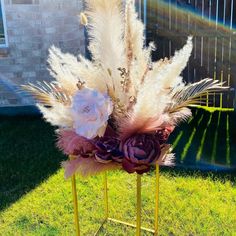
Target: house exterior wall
x: 33, y: 26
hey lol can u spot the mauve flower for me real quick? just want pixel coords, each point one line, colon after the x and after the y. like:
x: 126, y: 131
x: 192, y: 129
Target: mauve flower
x: 90, y: 111
x: 108, y: 150
x: 140, y: 151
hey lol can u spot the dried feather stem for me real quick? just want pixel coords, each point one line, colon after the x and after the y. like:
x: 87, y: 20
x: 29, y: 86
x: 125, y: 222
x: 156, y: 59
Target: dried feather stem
x: 145, y: 73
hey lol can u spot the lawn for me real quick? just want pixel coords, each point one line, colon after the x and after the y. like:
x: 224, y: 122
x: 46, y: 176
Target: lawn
x: 36, y: 200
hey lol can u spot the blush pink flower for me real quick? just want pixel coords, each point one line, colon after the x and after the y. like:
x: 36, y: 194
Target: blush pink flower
x: 90, y: 111
x: 73, y: 144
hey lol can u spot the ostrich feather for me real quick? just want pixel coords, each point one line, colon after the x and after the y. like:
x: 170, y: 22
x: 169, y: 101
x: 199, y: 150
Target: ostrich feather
x: 166, y: 158
x: 87, y: 167
x: 132, y: 125
x: 69, y: 142
x: 106, y: 30
x: 147, y: 114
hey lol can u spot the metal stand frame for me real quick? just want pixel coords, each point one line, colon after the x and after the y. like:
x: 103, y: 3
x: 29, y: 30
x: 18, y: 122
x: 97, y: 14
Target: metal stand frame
x: 138, y: 225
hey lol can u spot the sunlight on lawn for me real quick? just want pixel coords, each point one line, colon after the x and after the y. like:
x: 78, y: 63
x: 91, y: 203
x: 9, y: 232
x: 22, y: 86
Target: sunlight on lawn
x: 189, y: 205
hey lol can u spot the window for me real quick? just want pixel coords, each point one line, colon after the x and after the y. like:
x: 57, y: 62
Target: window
x: 3, y: 37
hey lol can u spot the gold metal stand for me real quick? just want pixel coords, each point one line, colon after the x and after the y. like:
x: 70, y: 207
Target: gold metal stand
x: 138, y: 225
x: 75, y: 201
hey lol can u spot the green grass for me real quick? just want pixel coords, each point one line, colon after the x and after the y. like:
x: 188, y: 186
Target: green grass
x: 36, y: 200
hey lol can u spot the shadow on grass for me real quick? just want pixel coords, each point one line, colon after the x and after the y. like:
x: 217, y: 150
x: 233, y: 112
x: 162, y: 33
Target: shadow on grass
x: 207, y: 142
x: 221, y: 176
x: 27, y: 156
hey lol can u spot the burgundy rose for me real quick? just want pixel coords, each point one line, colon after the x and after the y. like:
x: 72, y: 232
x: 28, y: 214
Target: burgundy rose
x: 132, y: 167
x: 140, y: 151
x: 164, y: 134
x: 108, y: 150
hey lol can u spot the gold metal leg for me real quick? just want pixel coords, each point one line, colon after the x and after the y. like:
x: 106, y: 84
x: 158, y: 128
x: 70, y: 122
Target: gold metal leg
x: 75, y: 201
x: 106, y: 206
x: 106, y: 196
x: 106, y: 210
x: 138, y: 216
x: 157, y: 200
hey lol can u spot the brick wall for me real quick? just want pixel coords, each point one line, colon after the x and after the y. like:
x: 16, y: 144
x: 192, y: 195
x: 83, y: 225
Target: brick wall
x: 32, y: 27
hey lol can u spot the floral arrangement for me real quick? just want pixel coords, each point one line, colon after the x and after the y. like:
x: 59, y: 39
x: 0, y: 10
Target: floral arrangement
x: 118, y: 109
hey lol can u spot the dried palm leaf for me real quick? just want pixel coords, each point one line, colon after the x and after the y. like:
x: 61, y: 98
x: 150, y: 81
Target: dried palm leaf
x: 42, y: 97
x: 48, y: 93
x: 191, y: 95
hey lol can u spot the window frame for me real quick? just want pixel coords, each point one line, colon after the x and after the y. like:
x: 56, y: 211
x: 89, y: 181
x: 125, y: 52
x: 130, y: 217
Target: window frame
x: 4, y: 45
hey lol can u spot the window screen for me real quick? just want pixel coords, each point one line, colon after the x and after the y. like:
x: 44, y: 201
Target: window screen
x: 2, y: 30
